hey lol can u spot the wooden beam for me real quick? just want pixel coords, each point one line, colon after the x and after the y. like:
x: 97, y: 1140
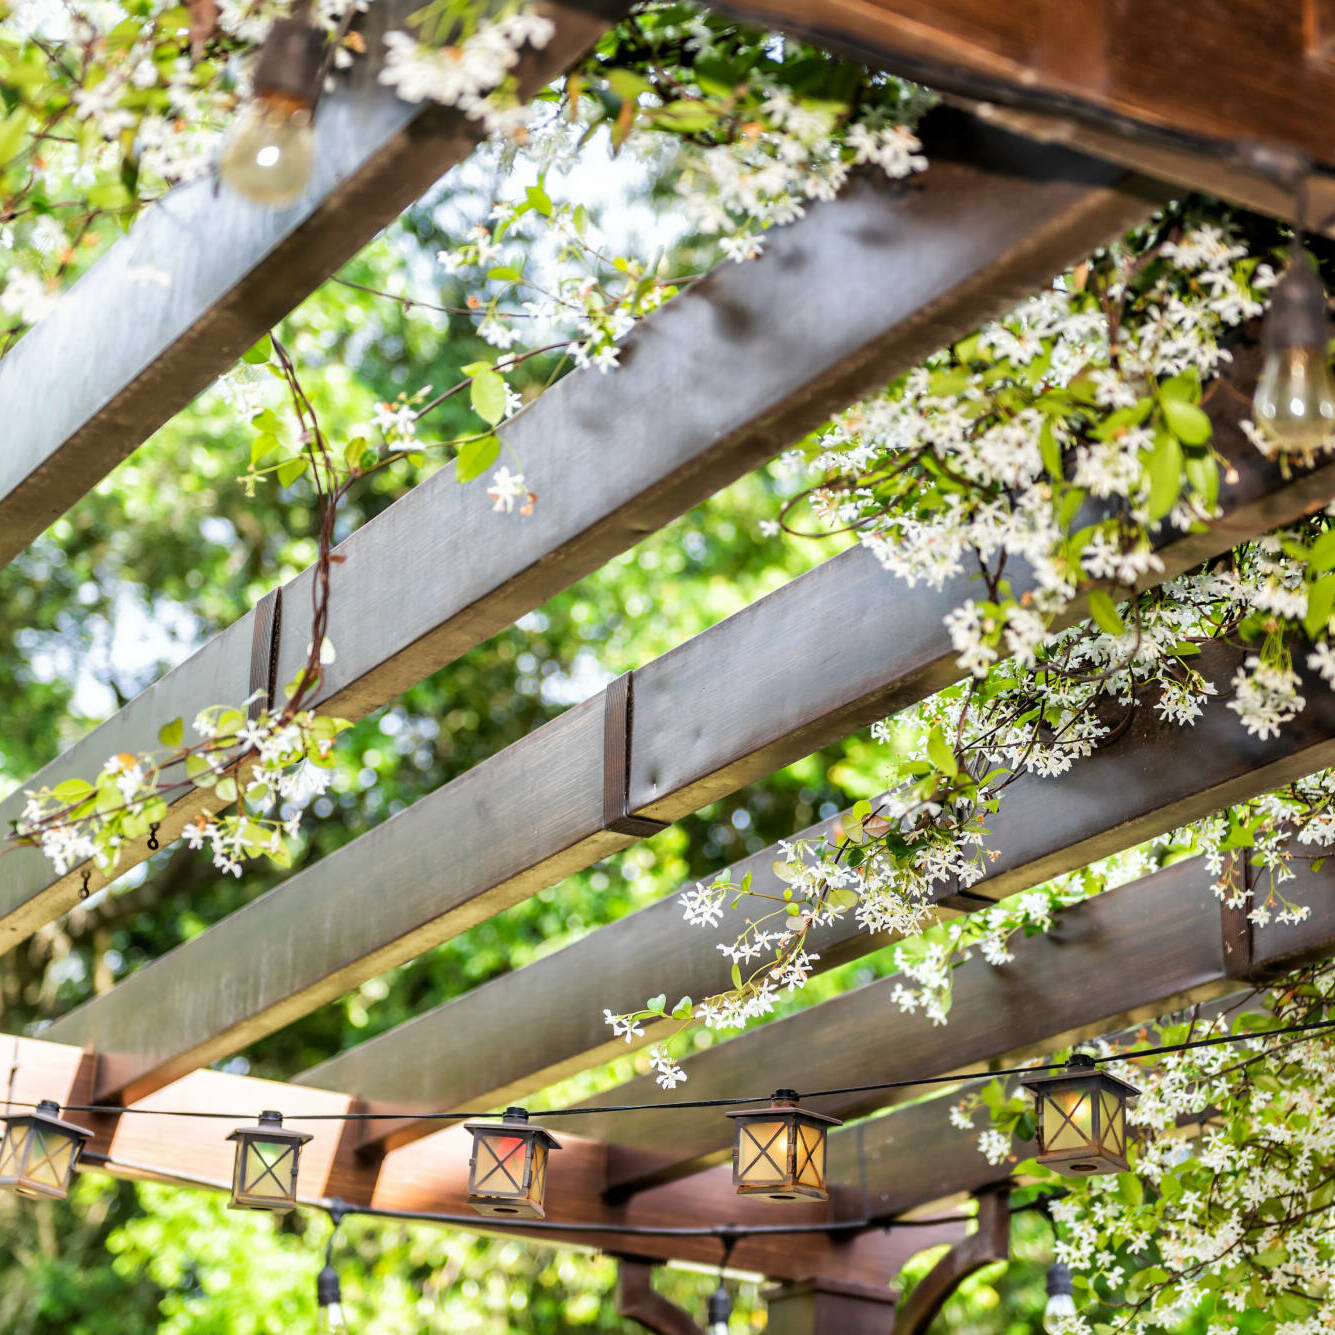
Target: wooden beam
x: 1248, y: 71
x: 1129, y: 791
x: 203, y: 274
x: 989, y: 1242
x: 830, y: 1307
x: 638, y: 1301
x: 431, y: 1176
x: 439, y: 870
x: 1126, y: 956
x: 841, y: 302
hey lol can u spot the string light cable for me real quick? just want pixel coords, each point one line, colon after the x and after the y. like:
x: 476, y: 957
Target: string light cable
x: 1313, y: 1027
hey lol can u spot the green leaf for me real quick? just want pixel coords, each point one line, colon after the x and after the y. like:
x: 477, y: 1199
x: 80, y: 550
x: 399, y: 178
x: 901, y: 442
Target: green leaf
x: 683, y: 1009
x: 1320, y: 601
x: 291, y: 469
x: 1105, y: 613
x: 1184, y: 388
x: 736, y: 976
x: 505, y: 273
x: 1170, y: 1187
x: 73, y: 790
x: 172, y: 734
x: 487, y: 395
x: 940, y: 753
x: 1050, y: 451
x: 1130, y: 1189
x: 226, y: 789
x: 657, y: 1003
x: 1186, y: 421
x: 260, y: 353
x: 1165, y: 470
x: 13, y: 132
x: 200, y: 772
x: 537, y: 196
x: 1322, y: 554
x: 475, y: 457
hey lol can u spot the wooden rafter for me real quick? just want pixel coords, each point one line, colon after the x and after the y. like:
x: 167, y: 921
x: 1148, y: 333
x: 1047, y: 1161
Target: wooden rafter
x: 857, y: 292
x: 1125, y: 956
x: 203, y: 274
x: 430, y: 1176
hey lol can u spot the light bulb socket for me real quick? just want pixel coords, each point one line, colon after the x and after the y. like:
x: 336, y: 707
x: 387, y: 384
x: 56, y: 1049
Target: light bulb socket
x: 290, y: 67
x: 1059, y: 1281
x: 328, y: 1291
x: 1297, y: 314
x: 720, y: 1307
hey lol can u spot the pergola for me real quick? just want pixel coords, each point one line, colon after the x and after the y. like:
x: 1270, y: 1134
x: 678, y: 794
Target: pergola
x: 1032, y: 167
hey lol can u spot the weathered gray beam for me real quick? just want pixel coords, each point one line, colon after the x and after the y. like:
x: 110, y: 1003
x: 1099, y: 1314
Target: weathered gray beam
x: 1123, y: 957
x: 202, y: 275
x: 840, y: 302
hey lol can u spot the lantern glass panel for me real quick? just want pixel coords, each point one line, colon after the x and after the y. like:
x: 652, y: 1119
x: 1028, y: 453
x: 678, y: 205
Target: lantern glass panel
x: 1071, y: 1120
x: 266, y: 1174
x: 762, y: 1153
x: 810, y: 1155
x: 539, y: 1184
x: 49, y: 1163
x: 500, y: 1164
x: 1112, y: 1124
x: 13, y: 1150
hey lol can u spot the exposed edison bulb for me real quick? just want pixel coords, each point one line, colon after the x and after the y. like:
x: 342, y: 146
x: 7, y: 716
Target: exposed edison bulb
x: 1061, y: 1298
x: 1295, y: 398
x: 1294, y: 404
x: 720, y: 1309
x: 270, y: 151
x: 330, y: 1298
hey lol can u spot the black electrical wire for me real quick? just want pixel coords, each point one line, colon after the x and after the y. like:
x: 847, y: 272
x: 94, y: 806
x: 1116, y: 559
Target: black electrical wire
x: 1165, y: 1049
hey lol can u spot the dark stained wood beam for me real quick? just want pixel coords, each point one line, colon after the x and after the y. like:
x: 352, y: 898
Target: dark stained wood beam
x: 841, y: 302
x: 1241, y: 71
x: 431, y: 1176
x: 638, y: 1301
x: 989, y: 1242
x: 1123, y: 957
x: 203, y: 274
x: 1129, y: 791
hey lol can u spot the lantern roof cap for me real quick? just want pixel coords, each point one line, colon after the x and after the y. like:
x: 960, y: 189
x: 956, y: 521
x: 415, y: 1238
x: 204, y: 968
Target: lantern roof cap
x: 47, y: 1114
x: 270, y: 1127
x: 516, y: 1120
x: 785, y: 1101
x: 1080, y: 1066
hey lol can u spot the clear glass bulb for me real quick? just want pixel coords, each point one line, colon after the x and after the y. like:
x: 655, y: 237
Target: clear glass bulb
x: 332, y: 1318
x: 269, y: 151
x: 1060, y: 1306
x: 1294, y: 403
x: 718, y: 1328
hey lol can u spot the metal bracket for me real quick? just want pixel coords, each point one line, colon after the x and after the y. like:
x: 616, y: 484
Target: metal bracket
x: 264, y: 644
x: 638, y: 1302
x: 618, y: 720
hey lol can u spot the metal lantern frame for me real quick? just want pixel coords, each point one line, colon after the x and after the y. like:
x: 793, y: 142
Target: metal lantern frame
x: 778, y: 1152
x: 39, y: 1152
x: 253, y: 1168
x: 507, y: 1172
x: 1080, y: 1114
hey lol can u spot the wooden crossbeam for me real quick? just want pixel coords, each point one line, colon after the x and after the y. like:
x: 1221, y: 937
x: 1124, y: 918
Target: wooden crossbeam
x: 1126, y: 956
x: 1248, y: 71
x: 430, y: 1176
x: 855, y: 293
x: 1131, y: 790
x: 699, y: 734
x: 204, y: 273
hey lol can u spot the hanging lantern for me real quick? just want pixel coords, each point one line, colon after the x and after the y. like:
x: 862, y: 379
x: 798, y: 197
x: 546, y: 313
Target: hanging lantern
x: 507, y: 1174
x: 39, y: 1151
x: 779, y: 1151
x: 265, y: 1175
x: 1081, y: 1115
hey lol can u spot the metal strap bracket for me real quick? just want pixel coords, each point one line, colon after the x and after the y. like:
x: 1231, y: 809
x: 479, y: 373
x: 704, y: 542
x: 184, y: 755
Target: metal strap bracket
x: 264, y: 652
x: 617, y: 732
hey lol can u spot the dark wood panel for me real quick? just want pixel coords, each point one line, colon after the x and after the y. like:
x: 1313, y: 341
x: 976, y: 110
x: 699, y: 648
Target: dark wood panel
x: 1237, y: 70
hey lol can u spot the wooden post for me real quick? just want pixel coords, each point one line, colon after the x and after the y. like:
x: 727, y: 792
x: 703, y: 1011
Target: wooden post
x: 828, y: 1307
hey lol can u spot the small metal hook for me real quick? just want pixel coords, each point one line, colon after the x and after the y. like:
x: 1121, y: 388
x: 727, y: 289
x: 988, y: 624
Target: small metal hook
x: 83, y: 889
x: 153, y: 837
